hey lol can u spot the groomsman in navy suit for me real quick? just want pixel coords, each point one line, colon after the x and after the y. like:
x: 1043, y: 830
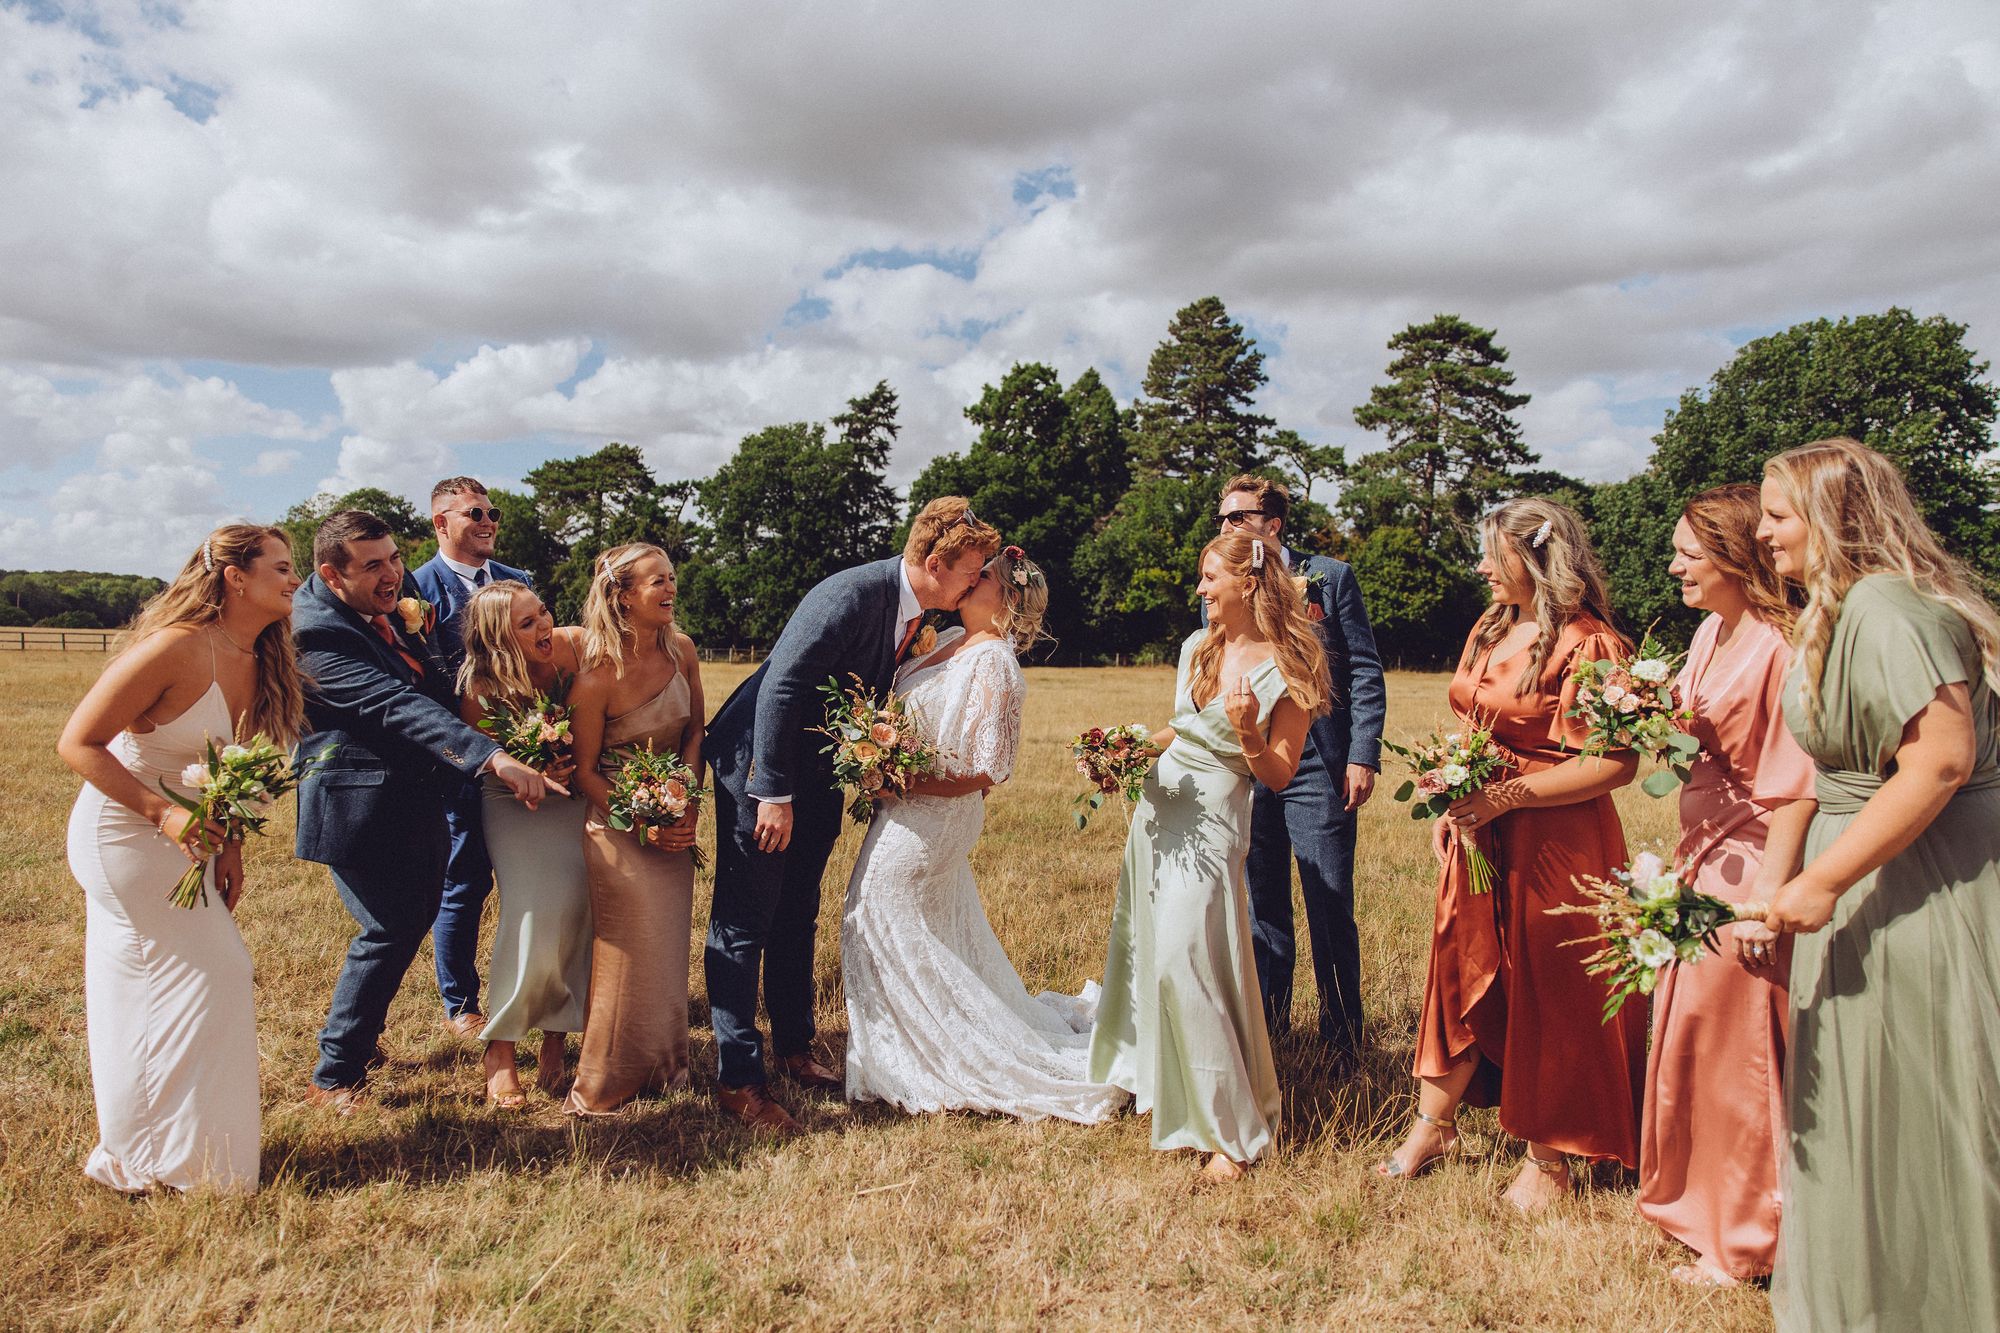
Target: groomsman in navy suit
x: 777, y: 812
x: 1314, y: 817
x: 467, y: 526
x: 379, y: 691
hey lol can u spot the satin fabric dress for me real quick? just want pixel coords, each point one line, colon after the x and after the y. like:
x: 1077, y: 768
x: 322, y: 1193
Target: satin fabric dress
x: 167, y: 990
x: 539, y: 978
x: 1892, y: 1079
x: 635, y: 1037
x: 1181, y: 1021
x: 1501, y: 984
x: 1713, y: 1131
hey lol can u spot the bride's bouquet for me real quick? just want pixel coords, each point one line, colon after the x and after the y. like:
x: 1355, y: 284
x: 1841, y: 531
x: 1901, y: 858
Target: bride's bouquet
x: 1450, y: 766
x: 534, y: 731
x: 1650, y: 919
x: 1632, y: 704
x: 1115, y: 760
x: 877, y: 748
x: 235, y: 787
x: 652, y: 789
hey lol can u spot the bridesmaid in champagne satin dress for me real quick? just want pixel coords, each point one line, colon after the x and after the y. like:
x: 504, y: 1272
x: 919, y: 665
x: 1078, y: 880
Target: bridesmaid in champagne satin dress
x: 642, y: 686
x: 1714, y: 1120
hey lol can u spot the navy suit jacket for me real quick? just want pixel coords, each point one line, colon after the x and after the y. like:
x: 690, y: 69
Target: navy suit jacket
x: 441, y: 586
x: 1351, y: 732
x: 759, y: 743
x: 400, y: 743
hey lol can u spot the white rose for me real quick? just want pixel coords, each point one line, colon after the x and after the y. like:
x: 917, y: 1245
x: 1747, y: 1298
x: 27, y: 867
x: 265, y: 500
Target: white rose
x: 1660, y: 890
x: 1613, y: 693
x: 195, y: 775
x: 1454, y: 774
x: 1649, y: 669
x: 233, y: 752
x: 1651, y: 949
x: 1629, y: 704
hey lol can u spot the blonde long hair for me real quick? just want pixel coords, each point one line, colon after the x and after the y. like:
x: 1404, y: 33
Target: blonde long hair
x: 1860, y: 520
x: 607, y: 624
x: 195, y: 597
x: 1026, y: 590
x: 1568, y: 579
x: 1278, y: 609
x: 1724, y: 521
x: 494, y: 663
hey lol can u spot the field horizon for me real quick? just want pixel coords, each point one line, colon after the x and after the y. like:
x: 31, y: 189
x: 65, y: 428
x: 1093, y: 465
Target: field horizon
x: 430, y: 1210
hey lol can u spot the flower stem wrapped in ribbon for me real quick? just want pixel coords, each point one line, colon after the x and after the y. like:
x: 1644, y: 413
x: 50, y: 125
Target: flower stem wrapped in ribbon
x: 1116, y: 761
x: 1634, y: 704
x: 236, y: 787
x: 1450, y: 766
x: 1650, y: 918
x: 652, y: 789
x: 877, y: 748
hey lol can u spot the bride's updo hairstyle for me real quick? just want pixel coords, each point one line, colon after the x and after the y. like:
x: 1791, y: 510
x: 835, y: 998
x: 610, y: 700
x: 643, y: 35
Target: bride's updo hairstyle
x: 1563, y: 568
x: 607, y: 621
x: 1860, y: 520
x: 1277, y: 602
x: 195, y: 597
x: 1026, y: 590
x: 494, y: 662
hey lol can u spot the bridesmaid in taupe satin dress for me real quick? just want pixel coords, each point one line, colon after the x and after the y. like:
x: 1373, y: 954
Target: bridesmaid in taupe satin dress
x: 642, y: 683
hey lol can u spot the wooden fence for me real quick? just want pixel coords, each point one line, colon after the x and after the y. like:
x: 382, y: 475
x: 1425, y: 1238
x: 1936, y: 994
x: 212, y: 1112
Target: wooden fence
x: 58, y: 640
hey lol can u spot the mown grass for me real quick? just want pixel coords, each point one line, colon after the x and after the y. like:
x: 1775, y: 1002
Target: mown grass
x: 430, y: 1211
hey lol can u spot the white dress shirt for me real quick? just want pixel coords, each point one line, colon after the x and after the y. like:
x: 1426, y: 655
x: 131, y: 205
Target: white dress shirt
x: 467, y: 574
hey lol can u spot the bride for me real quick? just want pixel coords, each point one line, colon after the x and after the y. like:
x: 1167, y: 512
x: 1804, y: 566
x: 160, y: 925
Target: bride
x: 938, y: 1019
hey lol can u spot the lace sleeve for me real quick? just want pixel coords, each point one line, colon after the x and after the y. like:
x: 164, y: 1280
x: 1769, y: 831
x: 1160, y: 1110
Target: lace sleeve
x: 983, y: 725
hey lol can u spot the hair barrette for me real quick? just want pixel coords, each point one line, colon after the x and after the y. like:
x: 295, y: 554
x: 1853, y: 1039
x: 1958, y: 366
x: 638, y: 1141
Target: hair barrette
x: 1542, y: 533
x: 207, y: 559
x: 1256, y: 556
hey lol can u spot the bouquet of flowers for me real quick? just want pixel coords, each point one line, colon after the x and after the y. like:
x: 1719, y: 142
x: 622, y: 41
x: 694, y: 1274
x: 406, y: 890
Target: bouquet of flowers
x: 1116, y: 760
x: 535, y: 732
x: 236, y: 787
x: 1650, y: 919
x: 1632, y: 705
x: 876, y: 747
x: 652, y: 789
x: 1450, y: 766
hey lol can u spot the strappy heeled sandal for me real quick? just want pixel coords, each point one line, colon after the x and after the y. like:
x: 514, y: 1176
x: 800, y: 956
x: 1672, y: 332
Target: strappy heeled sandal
x: 1391, y: 1169
x: 1556, y: 1168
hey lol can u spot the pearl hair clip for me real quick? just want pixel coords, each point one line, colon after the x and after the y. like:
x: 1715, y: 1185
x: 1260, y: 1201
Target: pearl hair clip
x: 1542, y: 533
x: 1256, y: 556
x: 207, y: 559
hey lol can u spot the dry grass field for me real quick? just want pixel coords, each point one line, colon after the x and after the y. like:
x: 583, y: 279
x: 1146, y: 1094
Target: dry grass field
x: 428, y: 1210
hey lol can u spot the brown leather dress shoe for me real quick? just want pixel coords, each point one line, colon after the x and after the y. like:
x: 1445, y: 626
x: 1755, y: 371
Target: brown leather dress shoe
x: 807, y: 1072
x: 340, y: 1101
x: 753, y: 1106
x: 467, y: 1025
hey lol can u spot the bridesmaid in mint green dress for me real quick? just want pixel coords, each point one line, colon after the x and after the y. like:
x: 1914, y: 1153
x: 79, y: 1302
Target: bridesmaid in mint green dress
x: 1181, y: 1023
x: 1892, y: 1085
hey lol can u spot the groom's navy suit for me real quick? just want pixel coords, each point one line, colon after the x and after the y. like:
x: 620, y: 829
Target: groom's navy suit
x: 468, y: 874
x: 375, y: 812
x: 1309, y: 818
x: 760, y: 745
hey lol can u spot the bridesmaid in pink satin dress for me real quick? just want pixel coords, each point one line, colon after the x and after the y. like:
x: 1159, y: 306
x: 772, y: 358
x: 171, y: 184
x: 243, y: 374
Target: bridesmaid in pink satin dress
x: 1714, y: 1126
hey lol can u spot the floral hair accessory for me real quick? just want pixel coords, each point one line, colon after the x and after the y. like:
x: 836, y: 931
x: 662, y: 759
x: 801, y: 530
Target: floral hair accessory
x: 1542, y: 533
x: 1014, y: 553
x: 207, y: 559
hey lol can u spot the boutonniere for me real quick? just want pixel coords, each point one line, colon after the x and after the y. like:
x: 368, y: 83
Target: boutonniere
x: 925, y: 641
x: 1312, y: 587
x: 418, y: 616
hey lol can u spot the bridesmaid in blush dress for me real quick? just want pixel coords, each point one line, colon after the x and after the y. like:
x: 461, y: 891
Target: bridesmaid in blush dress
x: 1509, y: 1016
x: 1713, y: 1130
x: 642, y: 685
x: 172, y: 1023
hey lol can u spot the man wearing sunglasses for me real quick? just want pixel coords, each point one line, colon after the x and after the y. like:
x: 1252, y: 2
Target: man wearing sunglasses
x: 1314, y: 817
x: 467, y: 525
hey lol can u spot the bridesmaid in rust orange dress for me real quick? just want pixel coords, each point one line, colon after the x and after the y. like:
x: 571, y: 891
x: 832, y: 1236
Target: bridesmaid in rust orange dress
x: 1510, y: 1018
x: 1714, y: 1122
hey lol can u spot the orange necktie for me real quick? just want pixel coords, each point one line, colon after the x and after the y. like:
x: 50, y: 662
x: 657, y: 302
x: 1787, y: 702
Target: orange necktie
x: 388, y: 636
x: 909, y: 637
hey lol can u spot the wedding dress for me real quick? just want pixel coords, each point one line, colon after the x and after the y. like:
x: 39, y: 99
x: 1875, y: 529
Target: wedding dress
x: 937, y: 1016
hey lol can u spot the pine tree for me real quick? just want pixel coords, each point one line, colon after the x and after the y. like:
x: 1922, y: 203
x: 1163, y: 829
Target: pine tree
x: 1195, y: 419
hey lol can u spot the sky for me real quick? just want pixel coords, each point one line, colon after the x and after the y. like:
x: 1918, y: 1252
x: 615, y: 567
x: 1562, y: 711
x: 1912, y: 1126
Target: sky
x: 252, y: 251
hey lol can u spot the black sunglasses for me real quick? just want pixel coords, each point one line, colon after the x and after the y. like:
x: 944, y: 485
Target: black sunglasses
x: 1238, y: 515
x: 478, y: 515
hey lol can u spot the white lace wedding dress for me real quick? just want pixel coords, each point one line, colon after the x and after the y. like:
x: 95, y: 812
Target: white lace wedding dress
x: 937, y: 1017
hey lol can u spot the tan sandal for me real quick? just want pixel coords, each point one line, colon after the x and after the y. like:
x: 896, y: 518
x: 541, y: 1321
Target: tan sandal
x: 1391, y: 1169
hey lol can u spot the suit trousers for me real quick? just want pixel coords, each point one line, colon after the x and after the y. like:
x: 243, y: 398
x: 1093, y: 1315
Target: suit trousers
x: 765, y: 910
x: 1307, y: 818
x: 468, y: 882
x: 394, y: 907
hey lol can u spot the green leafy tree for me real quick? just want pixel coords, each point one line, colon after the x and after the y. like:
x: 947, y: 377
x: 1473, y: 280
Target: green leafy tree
x: 583, y: 506
x: 1139, y: 569
x: 1420, y: 603
x: 1195, y: 418
x: 412, y: 529
x: 1452, y: 439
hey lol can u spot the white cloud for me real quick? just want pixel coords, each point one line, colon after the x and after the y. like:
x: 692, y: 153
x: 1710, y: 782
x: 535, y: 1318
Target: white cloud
x: 274, y: 462
x: 145, y: 505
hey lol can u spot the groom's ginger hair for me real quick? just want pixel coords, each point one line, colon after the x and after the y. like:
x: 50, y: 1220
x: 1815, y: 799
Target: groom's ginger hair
x: 947, y: 528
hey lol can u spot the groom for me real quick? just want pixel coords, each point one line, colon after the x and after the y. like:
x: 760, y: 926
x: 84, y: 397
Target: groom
x: 777, y: 811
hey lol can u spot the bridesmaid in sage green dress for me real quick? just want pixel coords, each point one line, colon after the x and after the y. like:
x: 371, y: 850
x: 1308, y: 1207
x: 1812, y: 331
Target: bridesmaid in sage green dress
x: 540, y: 974
x: 1181, y: 1023
x: 1892, y: 1189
